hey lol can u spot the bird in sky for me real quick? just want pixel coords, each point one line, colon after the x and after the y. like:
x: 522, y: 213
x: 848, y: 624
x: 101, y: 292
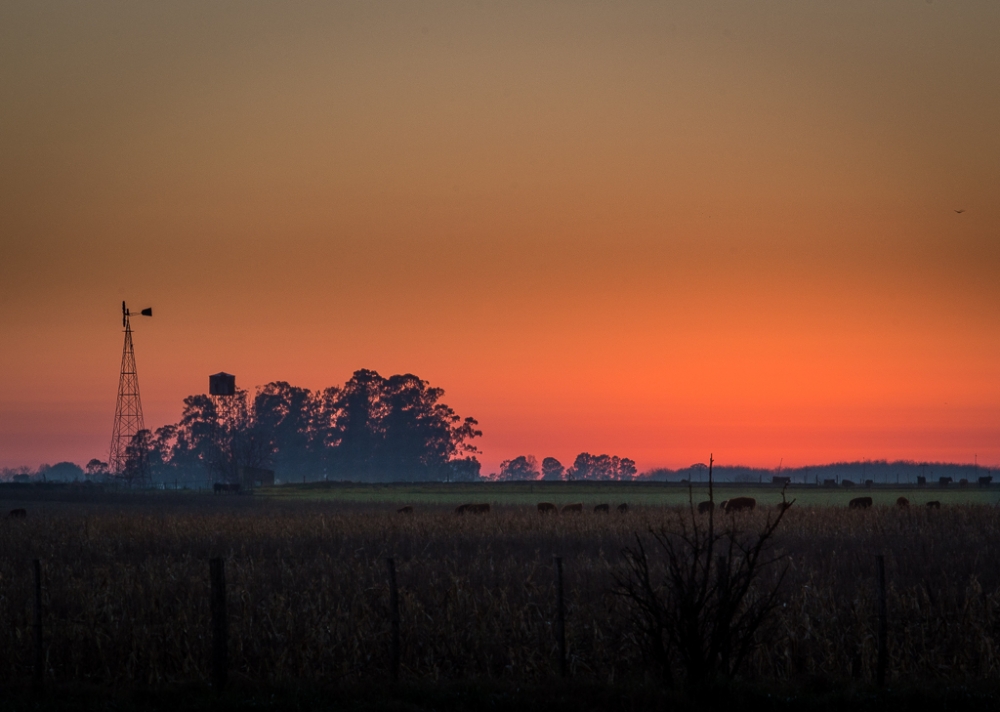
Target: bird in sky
x: 960, y: 211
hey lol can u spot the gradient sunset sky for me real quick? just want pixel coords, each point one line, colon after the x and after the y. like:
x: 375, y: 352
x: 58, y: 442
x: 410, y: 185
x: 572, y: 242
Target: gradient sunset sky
x: 655, y: 230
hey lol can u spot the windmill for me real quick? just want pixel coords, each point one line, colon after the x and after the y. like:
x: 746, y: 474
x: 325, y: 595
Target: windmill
x: 128, y: 410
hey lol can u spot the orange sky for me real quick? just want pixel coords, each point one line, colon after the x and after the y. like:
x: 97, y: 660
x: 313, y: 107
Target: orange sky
x: 648, y: 229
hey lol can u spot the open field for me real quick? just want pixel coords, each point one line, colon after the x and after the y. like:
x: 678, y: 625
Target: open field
x: 126, y: 591
x: 639, y: 493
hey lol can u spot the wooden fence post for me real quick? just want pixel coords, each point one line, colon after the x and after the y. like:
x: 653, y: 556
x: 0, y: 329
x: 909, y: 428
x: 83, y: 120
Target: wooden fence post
x: 560, y: 617
x: 393, y: 621
x: 39, y: 680
x: 883, y: 622
x: 220, y: 624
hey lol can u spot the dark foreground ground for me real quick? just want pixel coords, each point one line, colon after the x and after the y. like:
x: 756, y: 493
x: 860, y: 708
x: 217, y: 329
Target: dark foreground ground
x: 127, y: 622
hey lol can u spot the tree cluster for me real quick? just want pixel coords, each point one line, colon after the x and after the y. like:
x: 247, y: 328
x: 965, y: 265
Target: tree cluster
x: 585, y: 467
x: 370, y: 429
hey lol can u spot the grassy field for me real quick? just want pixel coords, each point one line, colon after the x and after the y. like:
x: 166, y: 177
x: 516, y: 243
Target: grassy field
x: 614, y: 493
x: 125, y: 589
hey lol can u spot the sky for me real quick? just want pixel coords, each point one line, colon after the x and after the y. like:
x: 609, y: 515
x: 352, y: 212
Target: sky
x: 654, y: 230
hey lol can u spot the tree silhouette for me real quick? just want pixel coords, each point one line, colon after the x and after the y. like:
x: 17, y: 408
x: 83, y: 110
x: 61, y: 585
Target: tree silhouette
x: 601, y: 467
x: 370, y: 429
x: 520, y: 468
x: 552, y: 469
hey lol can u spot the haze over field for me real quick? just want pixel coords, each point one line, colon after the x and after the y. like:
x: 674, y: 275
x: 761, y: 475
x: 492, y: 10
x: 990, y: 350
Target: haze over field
x: 652, y: 230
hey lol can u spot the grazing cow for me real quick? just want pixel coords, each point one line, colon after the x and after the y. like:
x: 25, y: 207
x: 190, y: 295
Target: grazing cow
x: 902, y: 503
x: 706, y: 507
x: 578, y: 507
x: 921, y: 481
x: 739, y: 504
x: 829, y: 483
x: 985, y: 481
x: 602, y: 509
x: 547, y: 508
x: 963, y: 482
x: 17, y: 514
x: 944, y: 481
x: 934, y: 505
x: 847, y: 483
x: 622, y: 508
x: 860, y: 503
x: 405, y: 510
x: 221, y: 487
x: 781, y: 480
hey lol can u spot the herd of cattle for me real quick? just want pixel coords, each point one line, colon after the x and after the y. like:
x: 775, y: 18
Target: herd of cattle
x: 729, y: 506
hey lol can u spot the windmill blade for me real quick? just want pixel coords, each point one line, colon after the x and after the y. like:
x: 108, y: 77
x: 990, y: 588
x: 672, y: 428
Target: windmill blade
x: 148, y: 311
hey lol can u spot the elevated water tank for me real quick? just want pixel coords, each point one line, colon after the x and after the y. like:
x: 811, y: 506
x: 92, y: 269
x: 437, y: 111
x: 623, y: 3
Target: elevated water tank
x: 222, y: 384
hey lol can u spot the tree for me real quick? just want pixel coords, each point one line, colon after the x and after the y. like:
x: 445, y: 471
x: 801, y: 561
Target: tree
x: 288, y: 415
x: 65, y: 471
x: 96, y: 468
x: 191, y: 442
x: 357, y: 427
x: 464, y: 469
x: 136, y: 470
x: 601, y: 467
x: 238, y: 440
x: 523, y: 467
x: 395, y: 428
x: 552, y: 469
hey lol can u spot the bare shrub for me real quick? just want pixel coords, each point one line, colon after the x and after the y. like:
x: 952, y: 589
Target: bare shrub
x: 699, y: 598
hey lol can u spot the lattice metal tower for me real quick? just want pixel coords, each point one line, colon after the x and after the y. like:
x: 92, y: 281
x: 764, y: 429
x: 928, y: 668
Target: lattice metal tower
x: 128, y: 410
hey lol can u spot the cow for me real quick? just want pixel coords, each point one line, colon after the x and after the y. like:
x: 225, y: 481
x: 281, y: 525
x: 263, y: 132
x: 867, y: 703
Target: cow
x: 547, y: 508
x: 405, y: 510
x: 220, y: 487
x: 902, y: 502
x: 472, y: 509
x: 570, y: 508
x: 847, y: 483
x: 706, y: 507
x: 860, y: 503
x: 739, y: 504
x: 944, y: 481
x: 934, y: 505
x: 829, y: 483
x: 601, y: 509
x: 17, y: 514
x: 963, y: 482
x: 985, y: 481
x: 622, y: 508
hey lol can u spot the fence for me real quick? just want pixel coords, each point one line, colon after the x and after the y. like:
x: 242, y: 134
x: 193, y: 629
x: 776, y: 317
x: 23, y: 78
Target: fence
x: 218, y: 624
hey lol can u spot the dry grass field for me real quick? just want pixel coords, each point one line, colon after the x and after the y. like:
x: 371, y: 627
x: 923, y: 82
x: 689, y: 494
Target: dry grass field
x: 126, y: 591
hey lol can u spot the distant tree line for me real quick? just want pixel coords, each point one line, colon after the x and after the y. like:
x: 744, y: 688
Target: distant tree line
x: 858, y: 471
x: 584, y: 467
